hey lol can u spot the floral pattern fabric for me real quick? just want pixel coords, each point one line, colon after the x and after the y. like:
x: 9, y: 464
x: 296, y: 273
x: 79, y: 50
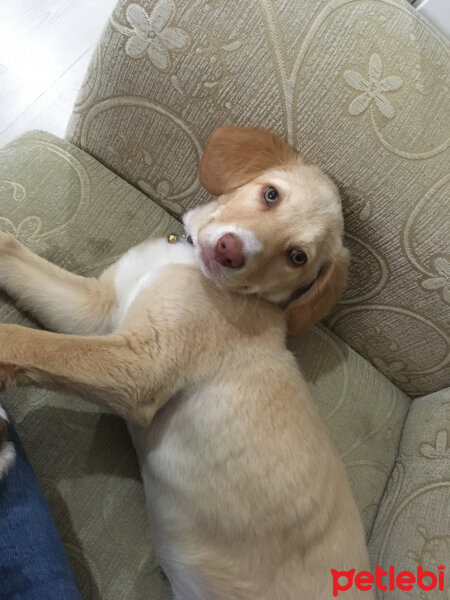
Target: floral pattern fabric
x: 373, y: 88
x: 360, y: 87
x: 412, y: 527
x: 150, y: 34
x: 67, y: 207
x: 83, y: 457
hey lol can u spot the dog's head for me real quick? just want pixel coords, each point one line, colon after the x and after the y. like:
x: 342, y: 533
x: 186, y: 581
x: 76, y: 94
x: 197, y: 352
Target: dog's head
x: 276, y: 227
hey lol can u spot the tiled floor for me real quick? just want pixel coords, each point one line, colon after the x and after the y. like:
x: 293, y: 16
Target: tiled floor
x: 45, y: 48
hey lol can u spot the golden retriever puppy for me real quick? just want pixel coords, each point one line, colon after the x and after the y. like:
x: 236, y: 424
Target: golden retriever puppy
x: 247, y: 498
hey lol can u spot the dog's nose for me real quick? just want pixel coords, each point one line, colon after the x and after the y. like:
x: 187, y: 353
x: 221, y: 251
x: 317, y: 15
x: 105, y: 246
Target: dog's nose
x: 228, y: 251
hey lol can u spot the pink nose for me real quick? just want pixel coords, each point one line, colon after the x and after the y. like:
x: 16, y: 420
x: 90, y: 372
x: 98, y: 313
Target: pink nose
x: 228, y: 251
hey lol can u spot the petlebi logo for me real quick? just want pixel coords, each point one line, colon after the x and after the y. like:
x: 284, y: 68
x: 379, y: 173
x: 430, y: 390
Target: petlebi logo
x: 389, y: 580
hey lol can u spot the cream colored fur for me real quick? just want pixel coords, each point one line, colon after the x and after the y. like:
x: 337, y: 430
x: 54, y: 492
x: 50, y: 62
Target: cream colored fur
x: 247, y: 498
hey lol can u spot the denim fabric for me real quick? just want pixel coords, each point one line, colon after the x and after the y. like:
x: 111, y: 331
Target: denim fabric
x: 33, y: 565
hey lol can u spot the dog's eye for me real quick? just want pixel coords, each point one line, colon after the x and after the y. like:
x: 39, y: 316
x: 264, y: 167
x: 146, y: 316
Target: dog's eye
x: 297, y: 257
x: 270, y: 195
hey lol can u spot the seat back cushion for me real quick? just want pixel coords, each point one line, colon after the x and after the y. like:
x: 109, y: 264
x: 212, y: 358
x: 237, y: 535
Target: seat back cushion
x: 362, y: 88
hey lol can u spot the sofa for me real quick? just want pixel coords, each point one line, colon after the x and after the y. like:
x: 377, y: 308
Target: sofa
x: 361, y: 87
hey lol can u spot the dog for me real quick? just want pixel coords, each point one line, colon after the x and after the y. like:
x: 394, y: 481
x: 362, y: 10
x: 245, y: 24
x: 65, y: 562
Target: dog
x: 246, y: 495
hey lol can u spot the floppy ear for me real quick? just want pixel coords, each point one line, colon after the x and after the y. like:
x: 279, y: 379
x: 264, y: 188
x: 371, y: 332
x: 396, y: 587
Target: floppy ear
x: 320, y: 298
x: 235, y: 155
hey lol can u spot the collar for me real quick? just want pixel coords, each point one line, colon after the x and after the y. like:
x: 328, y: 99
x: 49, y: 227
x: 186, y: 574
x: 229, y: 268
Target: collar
x: 299, y: 292
x: 175, y: 238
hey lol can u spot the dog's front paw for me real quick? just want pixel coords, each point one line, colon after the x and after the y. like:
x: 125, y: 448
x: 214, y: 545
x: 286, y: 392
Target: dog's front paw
x: 8, y: 375
x: 8, y: 243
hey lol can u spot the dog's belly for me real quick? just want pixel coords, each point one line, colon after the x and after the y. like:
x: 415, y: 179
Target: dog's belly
x: 141, y: 266
x: 206, y: 493
x: 196, y: 509
x: 163, y: 509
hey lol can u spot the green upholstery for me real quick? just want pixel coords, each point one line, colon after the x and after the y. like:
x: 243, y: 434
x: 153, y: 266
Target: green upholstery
x: 363, y: 410
x: 83, y: 457
x: 413, y: 523
x: 66, y: 206
x: 359, y: 86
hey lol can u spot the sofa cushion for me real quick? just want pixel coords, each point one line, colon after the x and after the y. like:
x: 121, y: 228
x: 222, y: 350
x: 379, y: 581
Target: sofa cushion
x: 66, y: 206
x: 412, y: 527
x: 363, y: 410
x: 359, y: 87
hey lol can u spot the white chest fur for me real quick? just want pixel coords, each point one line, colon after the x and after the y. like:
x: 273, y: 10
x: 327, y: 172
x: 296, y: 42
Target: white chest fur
x: 141, y: 266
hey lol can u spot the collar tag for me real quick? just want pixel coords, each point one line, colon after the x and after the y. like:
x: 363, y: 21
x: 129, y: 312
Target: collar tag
x: 174, y: 238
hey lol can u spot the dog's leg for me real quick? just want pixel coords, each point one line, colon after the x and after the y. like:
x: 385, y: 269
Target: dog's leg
x: 60, y: 300
x: 118, y: 370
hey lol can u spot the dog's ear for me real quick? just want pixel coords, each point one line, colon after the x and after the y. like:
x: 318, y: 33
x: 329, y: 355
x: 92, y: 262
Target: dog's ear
x: 235, y: 155
x: 320, y: 298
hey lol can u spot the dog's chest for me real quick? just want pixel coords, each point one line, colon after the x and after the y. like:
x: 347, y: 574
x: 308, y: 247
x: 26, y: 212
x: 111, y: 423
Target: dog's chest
x: 141, y: 266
